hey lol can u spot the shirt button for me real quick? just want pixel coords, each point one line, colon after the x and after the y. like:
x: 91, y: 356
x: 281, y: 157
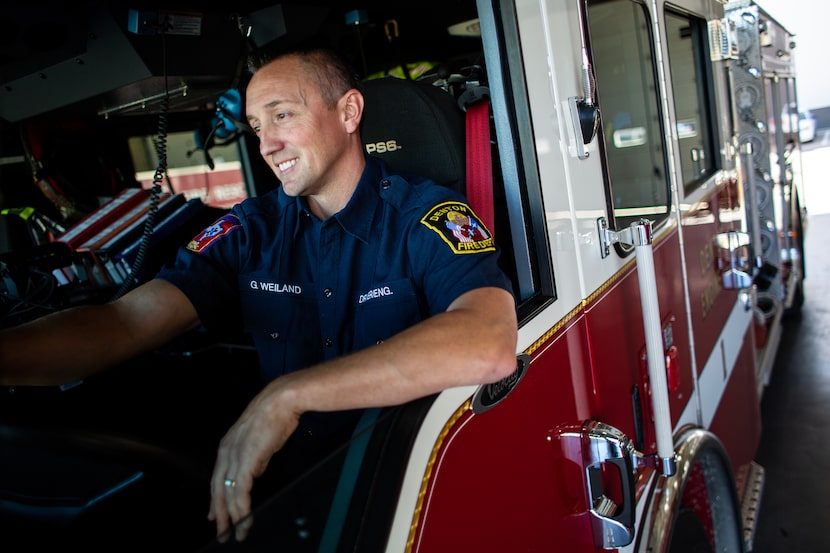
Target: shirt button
x: 327, y: 292
x: 328, y: 342
x: 275, y: 335
x: 385, y: 184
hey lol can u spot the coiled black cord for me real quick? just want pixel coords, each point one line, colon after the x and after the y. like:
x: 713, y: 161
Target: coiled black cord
x: 155, y: 191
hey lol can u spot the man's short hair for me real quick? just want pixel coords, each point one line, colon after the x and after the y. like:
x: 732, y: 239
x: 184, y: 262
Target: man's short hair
x: 331, y: 72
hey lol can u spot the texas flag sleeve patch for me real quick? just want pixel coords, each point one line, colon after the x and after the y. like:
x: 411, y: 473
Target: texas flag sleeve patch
x: 222, y: 227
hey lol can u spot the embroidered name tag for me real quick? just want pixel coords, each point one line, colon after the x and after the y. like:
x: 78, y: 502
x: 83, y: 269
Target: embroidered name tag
x: 276, y: 287
x: 459, y: 227
x: 374, y: 293
x: 214, y: 232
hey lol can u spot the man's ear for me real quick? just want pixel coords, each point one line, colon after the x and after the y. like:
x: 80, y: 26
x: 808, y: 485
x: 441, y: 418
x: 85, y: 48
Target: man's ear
x: 352, y: 108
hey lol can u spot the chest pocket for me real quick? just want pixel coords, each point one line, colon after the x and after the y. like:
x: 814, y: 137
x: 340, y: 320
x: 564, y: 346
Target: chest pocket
x: 284, y: 324
x: 384, y: 311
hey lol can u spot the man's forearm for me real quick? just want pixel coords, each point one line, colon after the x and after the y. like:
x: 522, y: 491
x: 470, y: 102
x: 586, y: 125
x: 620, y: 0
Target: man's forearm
x: 53, y: 349
x: 456, y: 348
x: 81, y: 341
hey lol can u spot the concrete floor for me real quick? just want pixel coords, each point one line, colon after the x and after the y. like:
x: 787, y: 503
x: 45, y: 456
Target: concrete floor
x: 795, y: 443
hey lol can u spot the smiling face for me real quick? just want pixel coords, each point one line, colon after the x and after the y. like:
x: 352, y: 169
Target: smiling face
x: 312, y: 145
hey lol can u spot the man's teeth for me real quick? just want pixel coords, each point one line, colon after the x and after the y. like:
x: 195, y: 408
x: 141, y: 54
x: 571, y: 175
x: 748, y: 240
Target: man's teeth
x: 287, y: 164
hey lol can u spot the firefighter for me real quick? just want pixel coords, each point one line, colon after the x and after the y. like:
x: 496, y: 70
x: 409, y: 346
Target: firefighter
x: 346, y: 276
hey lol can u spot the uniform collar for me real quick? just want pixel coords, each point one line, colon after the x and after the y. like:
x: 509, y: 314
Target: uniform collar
x: 357, y: 217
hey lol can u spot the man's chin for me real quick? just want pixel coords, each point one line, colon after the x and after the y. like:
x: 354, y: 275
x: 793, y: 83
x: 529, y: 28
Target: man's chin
x: 290, y: 188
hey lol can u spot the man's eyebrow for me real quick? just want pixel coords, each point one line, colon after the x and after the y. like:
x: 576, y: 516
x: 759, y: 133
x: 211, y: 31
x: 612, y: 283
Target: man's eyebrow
x: 270, y: 105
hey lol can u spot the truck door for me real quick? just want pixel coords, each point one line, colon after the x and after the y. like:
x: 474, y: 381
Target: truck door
x: 582, y: 324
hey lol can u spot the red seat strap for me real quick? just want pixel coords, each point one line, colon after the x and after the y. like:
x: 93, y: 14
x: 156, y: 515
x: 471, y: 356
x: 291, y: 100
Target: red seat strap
x: 479, y: 163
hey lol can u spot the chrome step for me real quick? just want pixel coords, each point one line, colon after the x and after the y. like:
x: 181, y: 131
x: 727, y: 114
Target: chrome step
x: 750, y: 481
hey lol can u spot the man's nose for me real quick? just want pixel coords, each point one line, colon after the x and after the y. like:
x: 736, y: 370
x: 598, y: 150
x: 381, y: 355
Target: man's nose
x: 269, y: 140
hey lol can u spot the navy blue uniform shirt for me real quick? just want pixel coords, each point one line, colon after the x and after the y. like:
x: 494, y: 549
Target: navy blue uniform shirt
x: 308, y: 290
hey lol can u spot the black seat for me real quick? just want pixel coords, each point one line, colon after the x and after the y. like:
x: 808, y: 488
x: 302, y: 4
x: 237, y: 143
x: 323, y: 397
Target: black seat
x: 417, y: 128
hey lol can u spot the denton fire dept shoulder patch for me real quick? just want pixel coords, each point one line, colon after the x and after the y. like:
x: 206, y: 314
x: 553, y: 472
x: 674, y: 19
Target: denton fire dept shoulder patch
x: 459, y: 227
x: 214, y: 232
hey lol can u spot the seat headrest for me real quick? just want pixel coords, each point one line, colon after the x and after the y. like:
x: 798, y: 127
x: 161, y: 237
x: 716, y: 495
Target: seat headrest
x: 415, y: 127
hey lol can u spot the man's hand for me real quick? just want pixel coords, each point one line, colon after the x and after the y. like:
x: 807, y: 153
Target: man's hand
x: 244, y: 453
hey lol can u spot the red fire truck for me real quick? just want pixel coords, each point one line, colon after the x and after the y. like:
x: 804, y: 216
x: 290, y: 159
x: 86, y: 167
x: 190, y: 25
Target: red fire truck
x: 631, y: 160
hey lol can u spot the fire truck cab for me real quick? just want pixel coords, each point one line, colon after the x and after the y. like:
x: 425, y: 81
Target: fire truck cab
x: 631, y: 162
